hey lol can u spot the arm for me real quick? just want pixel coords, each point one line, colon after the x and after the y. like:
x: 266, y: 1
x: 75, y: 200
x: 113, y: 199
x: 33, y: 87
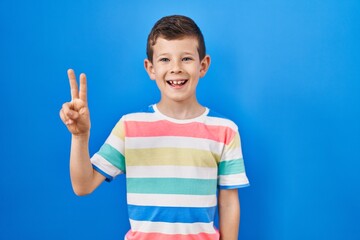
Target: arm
x: 229, y: 214
x: 76, y: 117
x: 84, y: 178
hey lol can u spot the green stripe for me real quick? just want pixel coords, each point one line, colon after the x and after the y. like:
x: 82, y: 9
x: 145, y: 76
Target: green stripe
x: 113, y: 156
x: 172, y: 186
x: 235, y: 166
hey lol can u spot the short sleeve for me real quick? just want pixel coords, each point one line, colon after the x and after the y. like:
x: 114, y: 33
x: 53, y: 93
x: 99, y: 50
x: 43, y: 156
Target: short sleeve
x: 231, y: 170
x: 110, y: 159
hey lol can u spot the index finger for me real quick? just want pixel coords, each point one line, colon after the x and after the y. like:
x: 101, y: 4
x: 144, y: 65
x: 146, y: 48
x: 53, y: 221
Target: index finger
x: 73, y: 84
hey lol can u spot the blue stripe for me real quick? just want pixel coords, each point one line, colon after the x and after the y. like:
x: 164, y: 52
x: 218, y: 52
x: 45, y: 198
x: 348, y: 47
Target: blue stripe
x: 234, y: 186
x: 108, y: 178
x: 171, y: 214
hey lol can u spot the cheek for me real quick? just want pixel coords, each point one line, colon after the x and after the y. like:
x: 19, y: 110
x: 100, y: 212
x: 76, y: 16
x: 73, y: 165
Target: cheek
x: 159, y: 71
x: 196, y: 72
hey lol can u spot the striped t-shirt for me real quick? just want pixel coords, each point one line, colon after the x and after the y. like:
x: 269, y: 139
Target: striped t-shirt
x: 173, y: 170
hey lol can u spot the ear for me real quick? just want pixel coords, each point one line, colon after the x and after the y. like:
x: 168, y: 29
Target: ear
x: 149, y: 67
x: 204, y: 65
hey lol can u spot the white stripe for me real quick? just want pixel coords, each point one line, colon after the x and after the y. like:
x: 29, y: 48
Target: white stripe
x: 153, y: 117
x: 171, y: 200
x: 233, y: 180
x: 143, y: 117
x: 231, y: 154
x: 116, y: 143
x: 172, y: 228
x: 181, y: 121
x: 217, y: 121
x: 104, y: 165
x: 171, y: 172
x: 171, y: 141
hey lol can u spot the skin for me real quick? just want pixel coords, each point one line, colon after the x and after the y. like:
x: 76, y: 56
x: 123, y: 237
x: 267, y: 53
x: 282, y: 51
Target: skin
x: 177, y: 60
x: 174, y: 61
x: 229, y: 214
x: 76, y: 117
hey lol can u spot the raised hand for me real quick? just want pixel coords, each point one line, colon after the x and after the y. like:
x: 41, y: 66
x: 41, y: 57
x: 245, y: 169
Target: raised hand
x: 75, y: 114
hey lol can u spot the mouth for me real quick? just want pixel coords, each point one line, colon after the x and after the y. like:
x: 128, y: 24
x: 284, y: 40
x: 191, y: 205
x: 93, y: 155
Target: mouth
x: 176, y: 83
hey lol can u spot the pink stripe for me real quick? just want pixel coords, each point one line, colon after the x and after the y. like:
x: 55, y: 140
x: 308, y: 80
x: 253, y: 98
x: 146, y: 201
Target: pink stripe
x: 160, y: 236
x: 165, y: 128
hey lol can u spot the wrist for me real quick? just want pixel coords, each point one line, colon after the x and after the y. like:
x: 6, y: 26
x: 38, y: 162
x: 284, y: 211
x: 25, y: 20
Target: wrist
x: 81, y: 137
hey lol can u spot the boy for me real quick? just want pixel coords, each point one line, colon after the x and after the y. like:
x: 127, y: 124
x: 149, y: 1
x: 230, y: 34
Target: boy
x: 175, y: 155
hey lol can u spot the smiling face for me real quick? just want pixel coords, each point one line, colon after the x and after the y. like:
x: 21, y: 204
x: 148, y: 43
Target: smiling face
x: 176, y: 68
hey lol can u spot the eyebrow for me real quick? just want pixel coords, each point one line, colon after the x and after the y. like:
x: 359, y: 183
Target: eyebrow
x: 183, y: 53
x: 189, y: 53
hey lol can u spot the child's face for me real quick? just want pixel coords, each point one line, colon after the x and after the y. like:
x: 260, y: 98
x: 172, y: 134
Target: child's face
x: 176, y: 68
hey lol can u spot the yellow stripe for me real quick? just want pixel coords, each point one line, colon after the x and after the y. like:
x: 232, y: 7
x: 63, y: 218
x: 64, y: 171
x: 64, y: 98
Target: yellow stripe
x: 171, y: 156
x: 235, y: 143
x: 119, y: 130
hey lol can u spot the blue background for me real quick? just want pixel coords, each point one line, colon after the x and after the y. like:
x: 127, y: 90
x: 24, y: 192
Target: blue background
x: 287, y: 72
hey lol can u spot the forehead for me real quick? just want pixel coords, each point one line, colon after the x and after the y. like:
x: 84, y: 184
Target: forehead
x: 183, y: 45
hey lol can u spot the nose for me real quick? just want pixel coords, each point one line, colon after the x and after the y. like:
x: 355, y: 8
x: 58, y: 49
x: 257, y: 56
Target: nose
x: 176, y: 67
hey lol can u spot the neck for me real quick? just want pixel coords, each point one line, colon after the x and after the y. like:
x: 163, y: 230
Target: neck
x: 179, y: 110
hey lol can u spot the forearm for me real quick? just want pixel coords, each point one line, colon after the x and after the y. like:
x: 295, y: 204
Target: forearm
x: 229, y: 214
x: 81, y: 170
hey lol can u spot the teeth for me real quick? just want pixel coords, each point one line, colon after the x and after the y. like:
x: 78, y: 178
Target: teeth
x: 177, y: 82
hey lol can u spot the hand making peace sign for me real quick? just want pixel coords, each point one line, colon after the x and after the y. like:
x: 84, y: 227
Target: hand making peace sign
x: 75, y: 114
